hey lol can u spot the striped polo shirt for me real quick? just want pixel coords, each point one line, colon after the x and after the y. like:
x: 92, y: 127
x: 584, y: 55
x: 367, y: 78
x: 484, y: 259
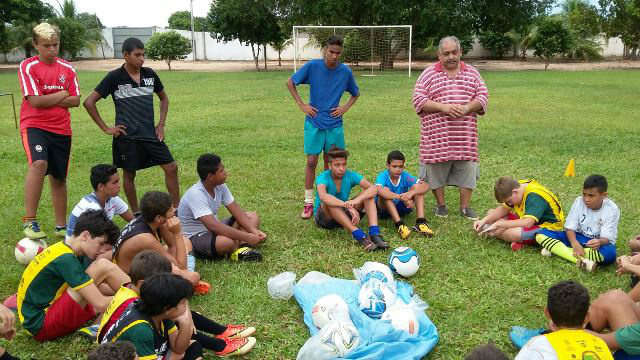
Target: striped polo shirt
x: 445, y: 138
x: 133, y: 101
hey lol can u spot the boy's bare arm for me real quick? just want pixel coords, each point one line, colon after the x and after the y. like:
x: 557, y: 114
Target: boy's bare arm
x: 45, y: 101
x: 306, y: 108
x: 327, y: 198
x: 340, y: 110
x: 387, y: 194
x: 90, y: 105
x: 164, y: 110
x: 69, y: 102
x: 369, y: 192
x: 217, y: 227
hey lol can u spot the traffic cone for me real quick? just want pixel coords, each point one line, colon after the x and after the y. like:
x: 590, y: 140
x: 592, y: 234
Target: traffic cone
x: 570, y: 171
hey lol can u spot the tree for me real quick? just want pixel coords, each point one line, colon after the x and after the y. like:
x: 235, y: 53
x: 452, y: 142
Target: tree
x: 168, y: 46
x: 17, y: 13
x: 181, y: 20
x: 72, y: 36
x: 552, y: 39
x: 498, y: 43
x: 279, y: 47
x: 583, y: 22
x: 622, y: 18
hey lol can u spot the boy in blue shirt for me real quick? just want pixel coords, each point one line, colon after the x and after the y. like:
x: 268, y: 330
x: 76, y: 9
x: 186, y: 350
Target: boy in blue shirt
x: 333, y: 207
x: 398, y: 193
x: 328, y: 79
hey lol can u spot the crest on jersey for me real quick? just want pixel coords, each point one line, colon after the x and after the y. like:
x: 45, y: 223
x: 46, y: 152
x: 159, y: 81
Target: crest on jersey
x: 62, y: 79
x: 38, y: 148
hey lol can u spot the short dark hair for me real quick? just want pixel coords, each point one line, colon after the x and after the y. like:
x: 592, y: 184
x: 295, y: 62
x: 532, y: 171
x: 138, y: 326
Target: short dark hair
x: 208, y: 164
x: 334, y: 40
x: 119, y: 350
x: 154, y: 203
x: 97, y: 223
x: 596, y: 181
x: 101, y: 173
x: 568, y: 304
x: 337, y: 153
x: 131, y: 44
x: 147, y: 263
x: 487, y: 352
x: 163, y: 291
x: 395, y: 155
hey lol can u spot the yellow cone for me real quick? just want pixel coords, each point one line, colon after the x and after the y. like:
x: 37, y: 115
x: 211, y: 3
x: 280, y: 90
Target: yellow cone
x: 571, y: 169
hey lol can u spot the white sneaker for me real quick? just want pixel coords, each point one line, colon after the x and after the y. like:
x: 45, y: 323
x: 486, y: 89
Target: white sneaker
x: 545, y: 252
x: 587, y: 265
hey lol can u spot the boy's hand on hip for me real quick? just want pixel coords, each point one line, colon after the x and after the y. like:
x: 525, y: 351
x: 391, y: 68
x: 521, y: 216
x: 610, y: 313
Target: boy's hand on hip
x: 160, y: 132
x: 338, y: 111
x: 309, y: 110
x: 116, y: 130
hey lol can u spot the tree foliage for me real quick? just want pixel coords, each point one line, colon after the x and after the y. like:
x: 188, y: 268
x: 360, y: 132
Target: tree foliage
x: 622, y: 18
x: 167, y: 46
x: 181, y: 20
x: 20, y: 13
x: 498, y: 43
x: 552, y: 39
x: 72, y: 36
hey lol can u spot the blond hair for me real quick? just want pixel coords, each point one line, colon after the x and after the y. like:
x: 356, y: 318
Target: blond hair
x: 504, y: 187
x: 44, y: 31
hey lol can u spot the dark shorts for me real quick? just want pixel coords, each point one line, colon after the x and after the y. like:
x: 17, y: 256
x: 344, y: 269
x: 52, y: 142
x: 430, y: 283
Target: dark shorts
x: 204, y: 242
x: 53, y: 148
x: 134, y: 154
x: 63, y: 317
x: 402, y: 209
x: 325, y: 223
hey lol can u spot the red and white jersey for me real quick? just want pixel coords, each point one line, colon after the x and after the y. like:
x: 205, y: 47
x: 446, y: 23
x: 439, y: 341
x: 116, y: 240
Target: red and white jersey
x: 38, y: 78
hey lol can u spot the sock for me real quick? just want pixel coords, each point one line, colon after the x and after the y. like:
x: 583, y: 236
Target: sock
x: 202, y: 323
x: 63, y: 227
x: 556, y: 247
x: 594, y: 255
x: 28, y: 219
x: 358, y: 234
x: 308, y: 196
x: 7, y: 356
x: 374, y: 230
x: 191, y: 262
x: 398, y: 223
x: 421, y: 221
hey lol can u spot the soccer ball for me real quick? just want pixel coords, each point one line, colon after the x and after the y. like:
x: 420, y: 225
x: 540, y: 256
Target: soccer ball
x: 327, y: 308
x: 372, y: 269
x: 339, y: 338
x: 374, y: 298
x: 402, y: 318
x: 27, y: 249
x: 404, y: 261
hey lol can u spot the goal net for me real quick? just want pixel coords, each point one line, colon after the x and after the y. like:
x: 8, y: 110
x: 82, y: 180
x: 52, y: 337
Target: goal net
x: 370, y: 50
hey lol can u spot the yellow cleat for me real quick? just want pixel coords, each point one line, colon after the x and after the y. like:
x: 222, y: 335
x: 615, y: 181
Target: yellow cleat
x: 423, y: 229
x: 404, y: 231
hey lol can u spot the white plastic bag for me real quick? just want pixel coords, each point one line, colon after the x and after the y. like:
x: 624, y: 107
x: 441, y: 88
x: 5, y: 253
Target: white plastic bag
x: 335, y: 340
x: 281, y: 285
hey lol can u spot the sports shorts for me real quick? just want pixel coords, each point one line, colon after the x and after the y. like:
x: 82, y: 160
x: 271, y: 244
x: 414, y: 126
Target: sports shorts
x: 63, y: 317
x: 53, y: 148
x: 608, y: 251
x: 402, y: 209
x: 324, y: 223
x: 204, y: 242
x: 528, y: 235
x: 135, y: 154
x: 460, y: 173
x: 319, y: 140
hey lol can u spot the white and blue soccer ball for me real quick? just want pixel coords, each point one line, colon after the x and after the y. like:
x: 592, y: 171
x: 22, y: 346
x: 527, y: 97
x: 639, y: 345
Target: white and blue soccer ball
x: 402, y: 317
x: 374, y: 298
x: 405, y: 261
x: 372, y: 269
x: 328, y: 308
x: 339, y: 338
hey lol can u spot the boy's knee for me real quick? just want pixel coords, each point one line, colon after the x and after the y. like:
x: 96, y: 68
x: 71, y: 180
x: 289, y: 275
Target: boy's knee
x: 103, y: 265
x: 225, y: 246
x: 171, y: 168
x: 253, y: 217
x: 634, y: 244
x: 128, y: 174
x: 312, y: 161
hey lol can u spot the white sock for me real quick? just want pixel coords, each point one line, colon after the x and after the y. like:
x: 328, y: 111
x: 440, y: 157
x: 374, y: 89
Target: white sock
x: 308, y: 196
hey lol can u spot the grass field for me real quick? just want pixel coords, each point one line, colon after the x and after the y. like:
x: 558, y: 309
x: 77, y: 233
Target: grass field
x: 476, y: 288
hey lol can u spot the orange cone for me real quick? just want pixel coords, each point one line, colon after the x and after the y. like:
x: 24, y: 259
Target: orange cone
x: 570, y: 171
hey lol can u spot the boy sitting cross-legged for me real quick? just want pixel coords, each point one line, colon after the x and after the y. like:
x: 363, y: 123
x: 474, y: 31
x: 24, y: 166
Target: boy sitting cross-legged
x: 333, y: 207
x: 591, y: 228
x: 398, y: 193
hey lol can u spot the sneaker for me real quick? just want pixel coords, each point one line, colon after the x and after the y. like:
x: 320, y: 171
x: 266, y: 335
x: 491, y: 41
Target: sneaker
x: 89, y: 332
x: 378, y: 240
x: 237, y: 347
x: 469, y: 214
x: 367, y: 244
x: 237, y: 331
x: 403, y: 231
x: 441, y: 210
x: 32, y: 230
x: 587, y: 265
x: 517, y: 246
x: 521, y: 335
x: 60, y: 233
x: 201, y: 288
x: 423, y: 229
x: 246, y: 254
x: 11, y: 302
x: 545, y: 252
x: 307, y: 211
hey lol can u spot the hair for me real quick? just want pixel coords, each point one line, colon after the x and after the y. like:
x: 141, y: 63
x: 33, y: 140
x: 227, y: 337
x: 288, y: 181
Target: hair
x: 119, y: 350
x: 154, y: 203
x: 208, y: 164
x: 101, y: 173
x: 568, y: 304
x: 131, y: 44
x: 334, y: 40
x: 44, y: 31
x: 395, y: 155
x: 97, y: 223
x: 596, y: 181
x: 147, y: 263
x: 447, y: 39
x: 163, y: 291
x: 337, y: 153
x: 504, y: 187
x: 487, y: 352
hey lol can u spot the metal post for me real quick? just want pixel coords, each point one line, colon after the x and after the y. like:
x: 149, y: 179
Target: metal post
x: 13, y: 106
x: 410, y: 40
x: 371, y: 52
x: 193, y: 40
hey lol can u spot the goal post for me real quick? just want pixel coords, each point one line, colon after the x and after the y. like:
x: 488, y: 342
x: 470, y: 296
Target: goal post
x: 369, y: 50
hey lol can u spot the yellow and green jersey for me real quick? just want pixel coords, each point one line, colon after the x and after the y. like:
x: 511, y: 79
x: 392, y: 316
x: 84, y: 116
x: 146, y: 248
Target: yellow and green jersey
x: 578, y: 344
x: 541, y: 205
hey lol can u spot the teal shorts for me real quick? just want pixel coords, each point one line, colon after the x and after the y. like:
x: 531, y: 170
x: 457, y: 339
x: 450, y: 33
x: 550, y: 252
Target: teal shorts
x: 319, y: 140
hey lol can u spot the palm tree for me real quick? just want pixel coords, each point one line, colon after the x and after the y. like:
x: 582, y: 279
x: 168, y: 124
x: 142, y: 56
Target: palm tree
x: 279, y: 46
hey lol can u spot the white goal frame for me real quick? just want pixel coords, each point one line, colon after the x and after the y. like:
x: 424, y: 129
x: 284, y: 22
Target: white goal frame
x: 296, y: 30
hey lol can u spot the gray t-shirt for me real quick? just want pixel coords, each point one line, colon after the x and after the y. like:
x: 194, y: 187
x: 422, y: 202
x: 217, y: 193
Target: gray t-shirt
x: 197, y: 202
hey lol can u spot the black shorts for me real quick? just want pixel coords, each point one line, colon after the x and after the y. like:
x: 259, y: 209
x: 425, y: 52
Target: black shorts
x: 135, y: 154
x: 204, y: 242
x: 53, y: 148
x: 325, y: 223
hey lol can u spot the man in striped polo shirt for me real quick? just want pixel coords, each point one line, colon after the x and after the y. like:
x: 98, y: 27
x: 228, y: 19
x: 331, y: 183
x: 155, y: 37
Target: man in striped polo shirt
x: 448, y: 97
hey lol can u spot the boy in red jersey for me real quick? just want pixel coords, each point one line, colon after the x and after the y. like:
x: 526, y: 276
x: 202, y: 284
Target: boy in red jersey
x: 49, y: 87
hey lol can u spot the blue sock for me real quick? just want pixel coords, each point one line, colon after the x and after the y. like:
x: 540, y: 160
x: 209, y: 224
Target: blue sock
x: 374, y: 230
x: 358, y: 234
x: 191, y: 262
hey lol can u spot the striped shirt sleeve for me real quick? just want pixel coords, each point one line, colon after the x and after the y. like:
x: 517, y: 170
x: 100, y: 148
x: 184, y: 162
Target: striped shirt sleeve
x: 27, y: 82
x: 482, y: 93
x: 421, y: 91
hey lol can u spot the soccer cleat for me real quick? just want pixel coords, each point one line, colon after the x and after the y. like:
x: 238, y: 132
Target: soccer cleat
x: 236, y: 332
x: 521, y: 335
x: 403, y: 231
x: 245, y: 254
x: 60, y: 233
x: 31, y: 229
x: 89, y: 332
x: 545, y: 252
x: 423, y: 229
x: 307, y: 211
x: 587, y: 265
x: 378, y: 240
x: 237, y: 347
x: 367, y: 244
x: 469, y: 214
x: 201, y: 288
x: 441, y: 211
x: 517, y: 246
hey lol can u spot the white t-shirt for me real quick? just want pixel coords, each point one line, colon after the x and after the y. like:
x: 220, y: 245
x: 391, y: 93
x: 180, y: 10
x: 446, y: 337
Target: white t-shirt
x: 113, y: 206
x: 594, y: 223
x: 538, y: 348
x: 197, y: 202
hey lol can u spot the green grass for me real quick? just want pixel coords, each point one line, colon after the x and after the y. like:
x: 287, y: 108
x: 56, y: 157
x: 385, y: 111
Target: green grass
x: 476, y: 288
